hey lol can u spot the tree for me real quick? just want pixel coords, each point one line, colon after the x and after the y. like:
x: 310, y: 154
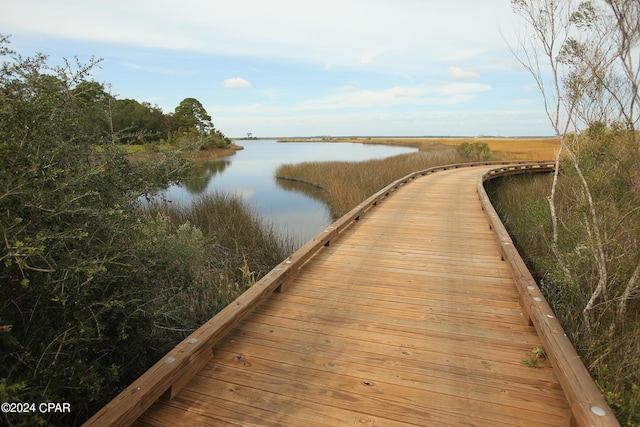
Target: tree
x: 80, y: 273
x: 135, y: 122
x: 191, y: 114
x: 92, y: 102
x: 589, y: 51
x: 193, y: 127
x: 584, y: 59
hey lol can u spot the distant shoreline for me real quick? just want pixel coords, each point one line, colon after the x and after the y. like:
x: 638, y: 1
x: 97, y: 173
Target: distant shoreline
x: 529, y: 148
x: 424, y: 137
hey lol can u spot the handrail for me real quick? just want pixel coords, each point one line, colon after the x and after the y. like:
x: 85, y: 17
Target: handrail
x: 169, y: 375
x: 588, y: 406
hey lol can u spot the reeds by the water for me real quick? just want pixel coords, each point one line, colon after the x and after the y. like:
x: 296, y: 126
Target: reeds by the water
x: 346, y: 184
x: 225, y: 246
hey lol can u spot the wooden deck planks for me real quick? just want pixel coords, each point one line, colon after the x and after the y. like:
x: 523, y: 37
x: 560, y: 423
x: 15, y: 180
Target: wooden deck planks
x: 411, y: 318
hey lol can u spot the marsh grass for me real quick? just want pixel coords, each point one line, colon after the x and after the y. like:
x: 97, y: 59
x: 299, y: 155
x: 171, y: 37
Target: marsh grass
x: 226, y: 248
x: 345, y: 184
x: 502, y: 148
x: 609, y: 346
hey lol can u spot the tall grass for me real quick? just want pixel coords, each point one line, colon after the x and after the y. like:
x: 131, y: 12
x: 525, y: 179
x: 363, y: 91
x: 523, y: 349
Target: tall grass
x: 610, y: 344
x: 345, y: 184
x: 226, y: 248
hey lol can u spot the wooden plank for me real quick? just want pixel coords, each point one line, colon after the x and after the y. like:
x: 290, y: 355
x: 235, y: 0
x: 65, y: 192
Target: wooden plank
x: 509, y: 345
x: 431, y: 356
x: 413, y: 401
x: 395, y: 311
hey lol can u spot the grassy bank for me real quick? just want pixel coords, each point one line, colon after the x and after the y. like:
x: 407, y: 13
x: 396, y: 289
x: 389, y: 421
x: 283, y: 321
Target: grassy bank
x: 345, y: 184
x: 589, y: 269
x: 154, y: 151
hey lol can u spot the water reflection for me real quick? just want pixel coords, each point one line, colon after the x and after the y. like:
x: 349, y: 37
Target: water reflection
x: 297, y: 210
x: 201, y: 175
x: 308, y: 190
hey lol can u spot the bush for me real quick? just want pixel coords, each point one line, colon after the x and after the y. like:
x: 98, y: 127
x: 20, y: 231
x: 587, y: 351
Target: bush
x: 94, y: 286
x: 78, y: 286
x: 475, y: 151
x: 192, y: 139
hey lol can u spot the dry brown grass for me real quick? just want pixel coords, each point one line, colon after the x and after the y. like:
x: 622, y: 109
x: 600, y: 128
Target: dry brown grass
x: 345, y: 184
x: 504, y: 148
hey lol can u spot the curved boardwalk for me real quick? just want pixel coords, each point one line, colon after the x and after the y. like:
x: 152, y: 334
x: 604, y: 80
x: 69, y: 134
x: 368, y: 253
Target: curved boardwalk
x: 411, y: 318
x: 406, y: 311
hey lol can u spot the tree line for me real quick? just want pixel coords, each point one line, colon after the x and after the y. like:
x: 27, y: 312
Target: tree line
x: 133, y: 122
x: 127, y: 121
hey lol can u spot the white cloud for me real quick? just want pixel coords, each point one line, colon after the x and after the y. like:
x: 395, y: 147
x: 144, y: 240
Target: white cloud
x: 156, y: 70
x: 460, y: 74
x: 519, y: 102
x: 388, y: 37
x: 466, y: 88
x: 352, y: 97
x: 236, y: 83
x: 348, y: 89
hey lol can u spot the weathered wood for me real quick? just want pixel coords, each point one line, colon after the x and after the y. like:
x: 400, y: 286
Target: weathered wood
x: 394, y: 304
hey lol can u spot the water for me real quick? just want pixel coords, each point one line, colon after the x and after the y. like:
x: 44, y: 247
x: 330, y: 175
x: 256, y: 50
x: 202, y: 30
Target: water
x: 295, y: 210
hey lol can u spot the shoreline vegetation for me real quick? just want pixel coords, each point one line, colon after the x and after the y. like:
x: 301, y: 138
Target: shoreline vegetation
x: 150, y: 152
x: 507, y: 148
x: 345, y: 184
x: 116, y: 282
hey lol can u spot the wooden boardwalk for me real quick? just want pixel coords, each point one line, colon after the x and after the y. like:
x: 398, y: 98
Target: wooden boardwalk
x: 410, y: 318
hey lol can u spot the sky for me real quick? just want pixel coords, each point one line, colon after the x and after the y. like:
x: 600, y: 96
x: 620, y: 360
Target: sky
x: 299, y: 68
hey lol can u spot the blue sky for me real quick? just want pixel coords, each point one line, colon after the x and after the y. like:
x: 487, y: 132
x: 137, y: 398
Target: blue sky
x: 299, y: 68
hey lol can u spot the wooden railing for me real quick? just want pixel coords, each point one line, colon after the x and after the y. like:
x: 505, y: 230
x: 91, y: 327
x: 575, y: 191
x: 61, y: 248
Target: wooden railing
x: 588, y: 406
x: 167, y: 377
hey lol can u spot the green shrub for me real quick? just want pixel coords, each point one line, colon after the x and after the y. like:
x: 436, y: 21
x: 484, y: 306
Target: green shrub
x: 475, y: 151
x: 93, y: 289
x: 193, y: 139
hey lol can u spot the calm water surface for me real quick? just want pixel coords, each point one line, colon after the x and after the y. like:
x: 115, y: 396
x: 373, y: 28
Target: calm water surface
x: 250, y: 173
